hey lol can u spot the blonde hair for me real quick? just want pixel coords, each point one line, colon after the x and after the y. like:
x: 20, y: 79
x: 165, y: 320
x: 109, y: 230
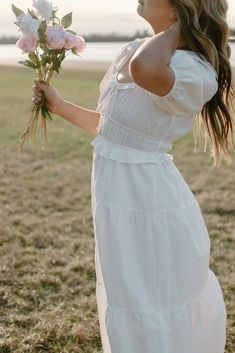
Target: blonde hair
x: 205, y: 29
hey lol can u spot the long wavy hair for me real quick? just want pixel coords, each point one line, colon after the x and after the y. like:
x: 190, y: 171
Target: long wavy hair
x: 204, y: 27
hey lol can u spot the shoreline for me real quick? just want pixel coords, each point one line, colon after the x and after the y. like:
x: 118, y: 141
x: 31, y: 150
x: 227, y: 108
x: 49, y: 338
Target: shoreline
x: 81, y: 65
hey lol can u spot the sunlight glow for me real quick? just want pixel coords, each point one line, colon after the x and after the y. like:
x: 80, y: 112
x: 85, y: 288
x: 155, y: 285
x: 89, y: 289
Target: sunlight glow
x: 89, y: 15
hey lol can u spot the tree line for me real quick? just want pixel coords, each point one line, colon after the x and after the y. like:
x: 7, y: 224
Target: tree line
x: 112, y: 37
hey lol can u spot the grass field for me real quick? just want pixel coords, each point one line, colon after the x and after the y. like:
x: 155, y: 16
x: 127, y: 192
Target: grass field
x: 47, y: 282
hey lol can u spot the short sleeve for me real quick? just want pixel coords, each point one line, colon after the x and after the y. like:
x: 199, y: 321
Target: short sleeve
x: 195, y: 83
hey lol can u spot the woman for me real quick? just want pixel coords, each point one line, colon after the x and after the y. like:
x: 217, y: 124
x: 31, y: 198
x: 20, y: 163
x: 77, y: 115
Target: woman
x: 155, y: 290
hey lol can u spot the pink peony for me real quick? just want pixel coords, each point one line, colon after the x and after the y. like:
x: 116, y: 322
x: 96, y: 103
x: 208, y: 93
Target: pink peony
x: 80, y: 44
x: 70, y: 40
x: 27, y: 44
x: 55, y: 37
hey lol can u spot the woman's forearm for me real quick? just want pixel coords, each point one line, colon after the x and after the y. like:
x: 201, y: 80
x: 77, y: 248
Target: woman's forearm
x: 157, y: 51
x: 86, y: 119
x: 149, y: 66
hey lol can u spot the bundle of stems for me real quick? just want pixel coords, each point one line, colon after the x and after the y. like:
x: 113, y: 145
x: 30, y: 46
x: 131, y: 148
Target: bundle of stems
x: 44, y: 74
x: 46, y: 39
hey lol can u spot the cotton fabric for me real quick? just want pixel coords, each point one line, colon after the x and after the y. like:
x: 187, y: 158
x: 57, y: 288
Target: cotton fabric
x: 154, y: 288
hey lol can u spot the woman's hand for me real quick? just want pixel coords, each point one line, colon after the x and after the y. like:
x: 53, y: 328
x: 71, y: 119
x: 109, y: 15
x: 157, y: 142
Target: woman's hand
x: 53, y: 99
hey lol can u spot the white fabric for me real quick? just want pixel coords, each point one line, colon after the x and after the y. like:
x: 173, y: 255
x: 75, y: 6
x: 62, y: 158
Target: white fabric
x: 155, y: 290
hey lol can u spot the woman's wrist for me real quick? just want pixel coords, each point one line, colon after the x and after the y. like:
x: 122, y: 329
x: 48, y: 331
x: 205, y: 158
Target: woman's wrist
x: 58, y: 108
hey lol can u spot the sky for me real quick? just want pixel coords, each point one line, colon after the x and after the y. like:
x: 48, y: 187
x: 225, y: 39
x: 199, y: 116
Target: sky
x: 93, y: 16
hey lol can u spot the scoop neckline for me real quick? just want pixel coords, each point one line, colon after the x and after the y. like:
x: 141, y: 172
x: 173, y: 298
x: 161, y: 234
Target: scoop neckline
x: 116, y: 73
x: 122, y: 83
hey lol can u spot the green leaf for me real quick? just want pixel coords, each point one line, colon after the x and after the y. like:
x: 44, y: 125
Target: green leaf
x: 16, y: 10
x: 62, y: 57
x: 45, y: 112
x: 28, y: 63
x: 68, y: 30
x: 42, y: 46
x: 31, y: 56
x: 32, y: 14
x: 34, y: 59
x: 75, y: 53
x: 56, y: 69
x: 32, y: 64
x: 67, y: 20
x: 56, y: 63
x: 54, y: 12
x: 22, y: 63
x: 46, y: 60
x: 73, y: 50
x: 41, y: 32
x: 48, y: 115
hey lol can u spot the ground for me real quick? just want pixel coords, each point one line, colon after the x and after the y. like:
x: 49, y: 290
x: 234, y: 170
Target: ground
x: 47, y: 282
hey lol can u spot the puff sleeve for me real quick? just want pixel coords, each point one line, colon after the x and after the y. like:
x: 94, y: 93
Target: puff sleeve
x: 195, y: 83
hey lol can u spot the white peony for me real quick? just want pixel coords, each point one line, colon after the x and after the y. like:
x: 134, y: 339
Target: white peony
x: 44, y: 9
x: 28, y: 25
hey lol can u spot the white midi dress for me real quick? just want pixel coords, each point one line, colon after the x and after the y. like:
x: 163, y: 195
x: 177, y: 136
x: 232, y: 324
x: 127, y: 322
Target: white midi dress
x: 155, y: 291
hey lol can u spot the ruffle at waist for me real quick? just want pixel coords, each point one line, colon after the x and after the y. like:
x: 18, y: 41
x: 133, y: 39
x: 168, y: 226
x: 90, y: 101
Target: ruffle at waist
x: 125, y: 154
x: 118, y: 133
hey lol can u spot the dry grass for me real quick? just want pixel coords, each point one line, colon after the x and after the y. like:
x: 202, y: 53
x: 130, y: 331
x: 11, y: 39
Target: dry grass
x: 47, y: 283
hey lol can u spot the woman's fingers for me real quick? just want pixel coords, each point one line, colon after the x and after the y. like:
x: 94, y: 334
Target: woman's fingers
x: 37, y: 92
x: 37, y: 88
x: 39, y: 85
x: 37, y: 95
x: 36, y: 100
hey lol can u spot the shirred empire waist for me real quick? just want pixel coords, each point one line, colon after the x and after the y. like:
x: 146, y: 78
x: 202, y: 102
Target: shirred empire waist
x: 115, y: 133
x: 124, y: 154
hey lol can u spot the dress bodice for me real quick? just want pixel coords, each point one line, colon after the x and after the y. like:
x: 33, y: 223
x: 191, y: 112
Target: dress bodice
x: 136, y: 125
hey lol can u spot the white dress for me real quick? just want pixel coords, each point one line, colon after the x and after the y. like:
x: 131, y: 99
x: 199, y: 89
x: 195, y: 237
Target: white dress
x: 155, y: 291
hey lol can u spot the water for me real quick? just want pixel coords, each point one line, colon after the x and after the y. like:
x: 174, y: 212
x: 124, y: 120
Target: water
x: 94, y: 52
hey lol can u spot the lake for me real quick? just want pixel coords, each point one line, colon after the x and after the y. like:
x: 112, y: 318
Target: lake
x: 104, y: 51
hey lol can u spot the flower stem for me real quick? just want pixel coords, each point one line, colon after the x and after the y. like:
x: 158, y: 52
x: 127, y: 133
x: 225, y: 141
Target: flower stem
x: 30, y: 130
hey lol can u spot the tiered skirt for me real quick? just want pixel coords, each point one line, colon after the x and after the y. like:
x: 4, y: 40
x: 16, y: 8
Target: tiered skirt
x: 155, y: 290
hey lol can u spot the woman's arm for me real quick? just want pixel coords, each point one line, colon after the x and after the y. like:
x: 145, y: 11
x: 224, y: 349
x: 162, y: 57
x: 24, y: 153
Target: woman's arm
x: 86, y: 119
x: 149, y: 65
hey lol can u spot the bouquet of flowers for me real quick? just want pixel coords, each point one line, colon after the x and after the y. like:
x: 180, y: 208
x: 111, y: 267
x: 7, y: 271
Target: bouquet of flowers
x: 46, y: 40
